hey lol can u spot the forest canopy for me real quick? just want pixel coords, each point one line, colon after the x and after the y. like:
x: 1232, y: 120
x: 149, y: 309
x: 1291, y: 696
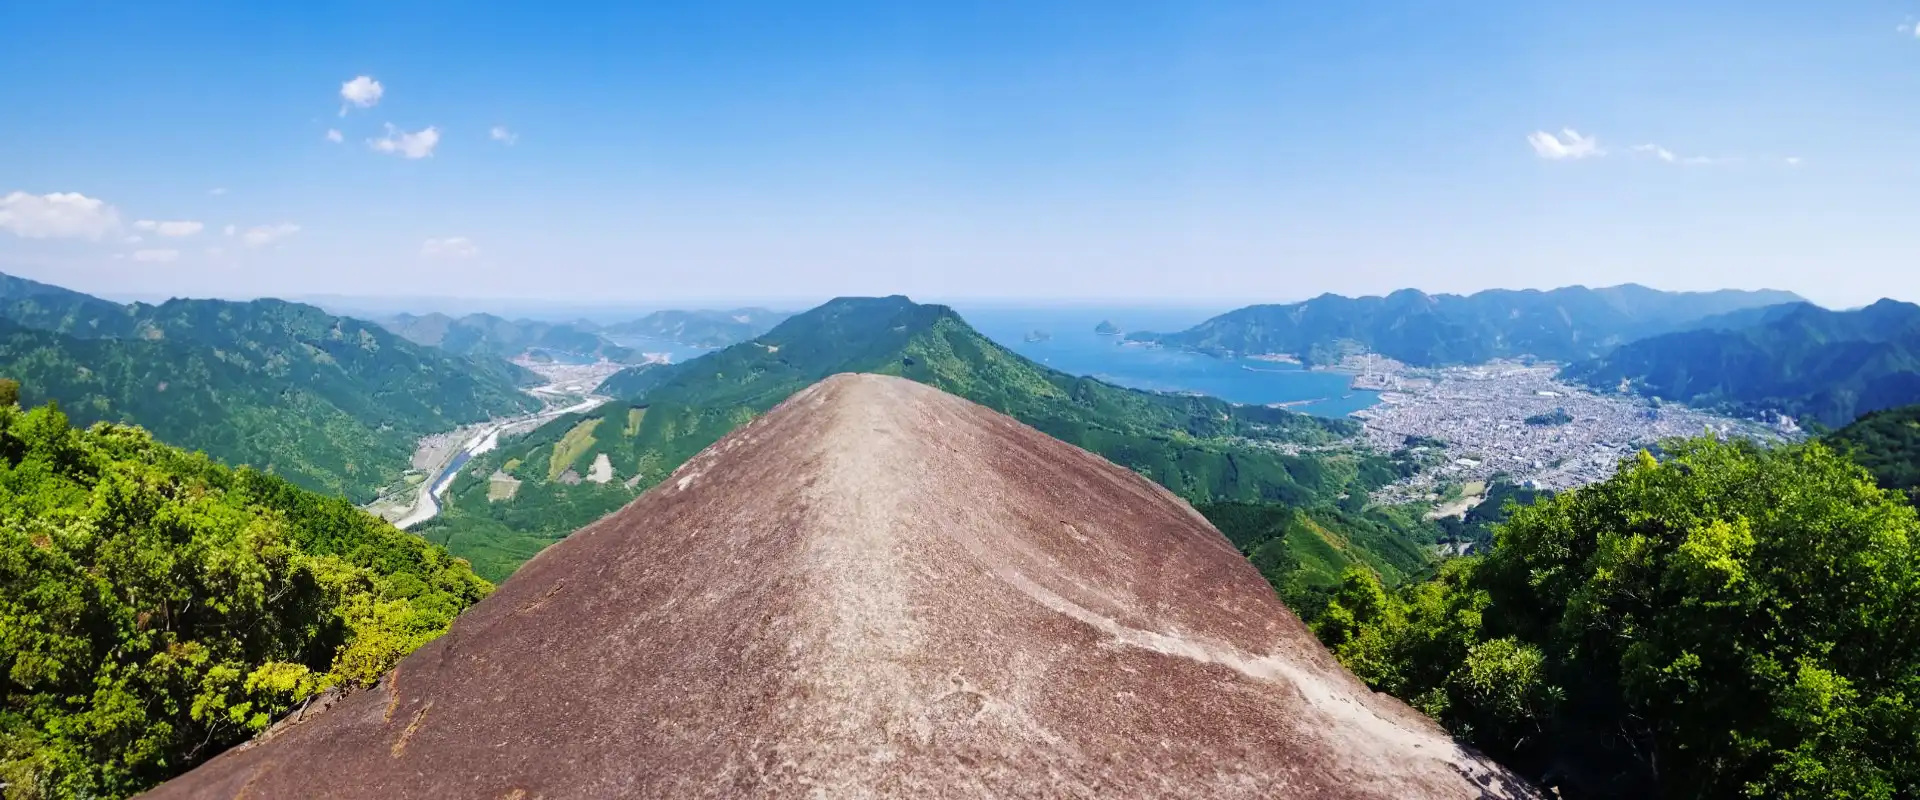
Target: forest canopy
x: 1727, y: 621
x: 157, y: 607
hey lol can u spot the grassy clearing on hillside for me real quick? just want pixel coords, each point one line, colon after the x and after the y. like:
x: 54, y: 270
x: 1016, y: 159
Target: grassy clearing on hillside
x: 571, y: 447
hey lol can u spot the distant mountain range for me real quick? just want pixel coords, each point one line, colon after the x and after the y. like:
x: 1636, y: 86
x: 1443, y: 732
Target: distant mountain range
x: 486, y: 334
x: 532, y: 491
x: 1564, y: 324
x: 331, y: 403
x: 701, y: 328
x: 1798, y: 359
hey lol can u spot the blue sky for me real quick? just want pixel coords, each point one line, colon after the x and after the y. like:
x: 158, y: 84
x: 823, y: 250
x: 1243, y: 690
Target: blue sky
x: 1160, y: 152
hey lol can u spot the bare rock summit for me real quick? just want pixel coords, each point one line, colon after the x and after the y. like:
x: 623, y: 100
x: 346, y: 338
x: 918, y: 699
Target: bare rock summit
x: 875, y: 590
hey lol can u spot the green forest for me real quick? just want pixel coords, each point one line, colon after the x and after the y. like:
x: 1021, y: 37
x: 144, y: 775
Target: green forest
x: 157, y: 608
x: 1728, y: 621
x: 1887, y: 443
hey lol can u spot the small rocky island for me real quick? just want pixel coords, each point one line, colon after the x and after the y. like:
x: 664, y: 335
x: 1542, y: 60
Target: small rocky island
x: 1107, y: 328
x: 1038, y: 335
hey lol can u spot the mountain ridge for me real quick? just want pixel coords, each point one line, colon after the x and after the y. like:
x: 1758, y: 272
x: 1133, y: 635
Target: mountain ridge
x: 1408, y: 325
x: 487, y: 334
x: 333, y: 403
x: 700, y: 327
x: 1805, y: 361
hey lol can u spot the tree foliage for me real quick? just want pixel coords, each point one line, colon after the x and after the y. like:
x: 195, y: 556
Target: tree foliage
x: 1725, y: 622
x: 157, y: 608
x: 1887, y: 443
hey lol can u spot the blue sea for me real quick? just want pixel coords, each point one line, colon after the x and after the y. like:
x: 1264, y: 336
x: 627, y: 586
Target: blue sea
x: 1074, y: 348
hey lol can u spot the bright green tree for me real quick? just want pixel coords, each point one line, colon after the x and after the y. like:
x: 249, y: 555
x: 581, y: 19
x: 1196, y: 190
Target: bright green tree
x: 157, y: 608
x: 1727, y: 621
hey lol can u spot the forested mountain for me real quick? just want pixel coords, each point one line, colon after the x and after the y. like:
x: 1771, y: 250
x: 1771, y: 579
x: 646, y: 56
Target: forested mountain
x: 486, y: 334
x: 157, y: 608
x: 1805, y: 361
x: 1887, y: 443
x: 530, y: 492
x: 331, y: 403
x: 633, y: 381
x: 701, y: 328
x: 39, y: 305
x: 1426, y: 330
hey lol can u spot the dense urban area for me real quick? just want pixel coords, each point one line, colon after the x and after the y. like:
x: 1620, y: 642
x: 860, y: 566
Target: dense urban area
x: 1515, y: 419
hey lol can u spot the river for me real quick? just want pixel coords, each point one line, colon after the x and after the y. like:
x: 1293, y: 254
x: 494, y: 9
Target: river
x: 485, y: 437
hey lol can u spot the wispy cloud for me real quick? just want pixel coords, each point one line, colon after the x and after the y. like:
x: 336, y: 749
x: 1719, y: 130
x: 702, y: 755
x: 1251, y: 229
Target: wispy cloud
x: 177, y: 228
x: 502, y: 135
x: 1569, y: 144
x: 262, y: 235
x: 60, y: 215
x: 450, y: 247
x: 419, y: 144
x: 156, y: 256
x: 363, y: 91
x: 1656, y: 150
x: 334, y: 136
x: 217, y: 191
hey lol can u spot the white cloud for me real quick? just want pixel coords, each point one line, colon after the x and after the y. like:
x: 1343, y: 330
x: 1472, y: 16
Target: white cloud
x: 262, y: 235
x: 362, y: 91
x: 1659, y: 152
x: 1792, y: 161
x: 334, y: 136
x: 177, y: 228
x: 450, y: 247
x: 501, y: 134
x: 1569, y: 144
x: 135, y: 239
x: 156, y: 256
x: 419, y: 144
x: 60, y: 215
x: 217, y: 191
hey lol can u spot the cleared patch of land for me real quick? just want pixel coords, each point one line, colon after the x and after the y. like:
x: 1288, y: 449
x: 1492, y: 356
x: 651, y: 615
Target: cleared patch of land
x: 501, y: 486
x: 571, y: 447
x: 602, y: 469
